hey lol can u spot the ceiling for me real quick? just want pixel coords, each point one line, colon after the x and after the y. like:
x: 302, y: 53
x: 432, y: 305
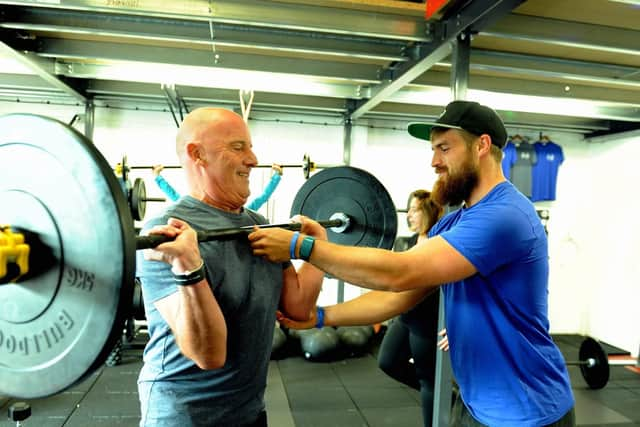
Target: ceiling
x: 576, y: 61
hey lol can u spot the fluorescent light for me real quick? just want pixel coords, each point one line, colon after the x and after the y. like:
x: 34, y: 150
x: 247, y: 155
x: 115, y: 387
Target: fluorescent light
x: 440, y: 96
x: 219, y: 78
x: 11, y: 66
x: 631, y: 2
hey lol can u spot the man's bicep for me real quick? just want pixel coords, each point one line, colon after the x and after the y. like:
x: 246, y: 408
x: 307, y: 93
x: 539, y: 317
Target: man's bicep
x: 289, y: 277
x: 296, y: 301
x: 437, y: 262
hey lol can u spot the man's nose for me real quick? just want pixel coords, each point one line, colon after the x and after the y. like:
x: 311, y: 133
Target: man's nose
x: 435, y: 160
x: 251, y: 159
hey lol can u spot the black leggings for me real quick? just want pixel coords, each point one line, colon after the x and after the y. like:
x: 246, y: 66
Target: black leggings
x: 260, y: 422
x: 398, y: 346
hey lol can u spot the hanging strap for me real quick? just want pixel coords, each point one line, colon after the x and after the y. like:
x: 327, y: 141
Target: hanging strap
x: 245, y: 106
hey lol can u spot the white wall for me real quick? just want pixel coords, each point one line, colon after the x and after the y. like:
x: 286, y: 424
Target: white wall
x: 600, y: 232
x: 593, y: 230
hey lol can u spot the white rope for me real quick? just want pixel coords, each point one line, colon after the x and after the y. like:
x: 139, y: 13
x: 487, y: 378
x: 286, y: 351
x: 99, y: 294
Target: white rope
x: 245, y: 108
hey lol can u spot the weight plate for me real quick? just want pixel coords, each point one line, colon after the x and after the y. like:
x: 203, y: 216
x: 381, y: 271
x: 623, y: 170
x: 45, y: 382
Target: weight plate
x: 306, y: 166
x: 138, y: 199
x: 137, y: 306
x: 124, y: 172
x: 60, y: 323
x: 359, y: 195
x: 597, y: 375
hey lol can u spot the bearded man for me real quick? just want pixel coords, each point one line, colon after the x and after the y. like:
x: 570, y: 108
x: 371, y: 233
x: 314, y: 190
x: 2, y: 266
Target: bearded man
x: 490, y: 257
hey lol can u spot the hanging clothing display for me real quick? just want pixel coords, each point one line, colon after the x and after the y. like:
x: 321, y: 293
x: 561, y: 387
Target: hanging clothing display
x: 522, y: 169
x: 508, y: 159
x: 545, y: 171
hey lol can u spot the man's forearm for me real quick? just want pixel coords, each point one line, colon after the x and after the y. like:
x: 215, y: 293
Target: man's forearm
x: 201, y: 327
x: 370, y: 268
x: 425, y: 266
x: 372, y: 307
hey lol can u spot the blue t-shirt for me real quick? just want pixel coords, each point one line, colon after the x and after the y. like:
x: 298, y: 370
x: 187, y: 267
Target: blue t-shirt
x: 509, y: 370
x: 508, y: 159
x: 172, y: 389
x: 545, y: 171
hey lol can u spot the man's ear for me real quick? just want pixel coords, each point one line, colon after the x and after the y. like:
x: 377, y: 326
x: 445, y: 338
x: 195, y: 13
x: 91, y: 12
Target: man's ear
x: 195, y: 153
x: 484, y: 145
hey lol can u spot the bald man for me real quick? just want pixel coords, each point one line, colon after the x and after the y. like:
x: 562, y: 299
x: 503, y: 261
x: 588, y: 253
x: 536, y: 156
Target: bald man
x: 211, y: 306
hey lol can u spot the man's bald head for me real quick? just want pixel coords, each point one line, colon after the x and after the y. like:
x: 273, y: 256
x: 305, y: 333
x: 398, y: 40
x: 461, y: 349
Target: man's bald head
x: 201, y: 121
x: 215, y: 150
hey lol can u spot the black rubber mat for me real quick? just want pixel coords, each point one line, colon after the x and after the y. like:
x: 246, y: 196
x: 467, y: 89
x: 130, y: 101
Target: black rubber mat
x: 344, y: 393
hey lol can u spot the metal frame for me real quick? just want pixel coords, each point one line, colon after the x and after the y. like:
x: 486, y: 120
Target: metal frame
x: 362, y: 59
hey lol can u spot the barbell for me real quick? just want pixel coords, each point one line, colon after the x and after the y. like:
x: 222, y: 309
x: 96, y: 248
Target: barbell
x: 594, y: 363
x: 63, y: 310
x: 307, y: 166
x: 135, y: 193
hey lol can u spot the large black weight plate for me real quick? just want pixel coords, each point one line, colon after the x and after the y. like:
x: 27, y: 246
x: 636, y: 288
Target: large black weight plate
x: 359, y: 195
x: 59, y: 325
x: 597, y: 375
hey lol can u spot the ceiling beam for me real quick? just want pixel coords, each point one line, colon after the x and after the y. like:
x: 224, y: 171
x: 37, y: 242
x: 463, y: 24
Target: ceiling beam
x: 264, y: 14
x: 101, y: 26
x: 42, y: 68
x: 565, y: 34
x: 472, y: 16
x: 89, y: 51
x: 559, y: 65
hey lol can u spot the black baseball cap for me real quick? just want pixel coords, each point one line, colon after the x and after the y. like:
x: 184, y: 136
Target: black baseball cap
x: 467, y: 115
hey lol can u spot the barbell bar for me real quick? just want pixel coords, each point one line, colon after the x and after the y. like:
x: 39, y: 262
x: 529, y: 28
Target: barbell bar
x: 15, y: 247
x: 179, y: 167
x: 307, y: 166
x: 137, y: 195
x: 151, y: 241
x: 60, y: 319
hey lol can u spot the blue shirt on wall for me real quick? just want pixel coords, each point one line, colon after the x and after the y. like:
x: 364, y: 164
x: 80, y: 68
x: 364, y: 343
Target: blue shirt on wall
x: 508, y: 159
x: 545, y: 171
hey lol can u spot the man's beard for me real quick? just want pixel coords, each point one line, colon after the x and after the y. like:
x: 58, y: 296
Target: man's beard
x: 456, y: 187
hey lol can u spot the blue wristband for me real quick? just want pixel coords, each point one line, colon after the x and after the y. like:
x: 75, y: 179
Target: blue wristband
x: 305, y: 248
x: 292, y: 245
x: 319, y: 317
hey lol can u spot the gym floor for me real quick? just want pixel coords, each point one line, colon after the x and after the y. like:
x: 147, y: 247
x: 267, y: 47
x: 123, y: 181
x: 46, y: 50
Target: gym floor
x: 342, y: 393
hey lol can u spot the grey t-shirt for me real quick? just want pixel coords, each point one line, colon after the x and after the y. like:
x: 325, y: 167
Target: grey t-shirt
x: 522, y: 169
x: 173, y: 390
